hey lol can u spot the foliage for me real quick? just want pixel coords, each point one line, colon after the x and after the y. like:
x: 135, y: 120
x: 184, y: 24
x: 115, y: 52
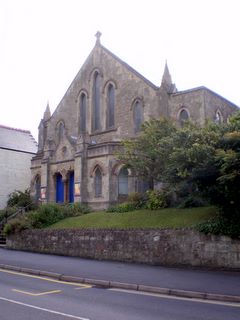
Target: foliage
x: 148, y: 154
x: 123, y: 207
x: 44, y: 216
x: 157, y: 199
x: 21, y: 199
x: 220, y: 225
x: 5, y: 213
x: 135, y: 201
x: 206, y: 159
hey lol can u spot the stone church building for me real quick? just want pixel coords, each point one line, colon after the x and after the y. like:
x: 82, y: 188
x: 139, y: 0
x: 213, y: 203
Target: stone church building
x: 107, y: 102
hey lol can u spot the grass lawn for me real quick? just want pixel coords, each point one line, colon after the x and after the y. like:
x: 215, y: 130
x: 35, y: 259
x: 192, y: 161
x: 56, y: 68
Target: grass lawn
x: 171, y: 217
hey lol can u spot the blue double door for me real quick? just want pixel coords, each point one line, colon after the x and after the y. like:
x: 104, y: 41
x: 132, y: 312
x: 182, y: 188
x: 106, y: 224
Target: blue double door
x: 65, y: 191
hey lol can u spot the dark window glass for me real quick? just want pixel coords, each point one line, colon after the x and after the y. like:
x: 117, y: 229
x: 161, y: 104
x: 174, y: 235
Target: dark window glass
x: 110, y: 106
x: 83, y: 112
x: 98, y: 183
x: 138, y: 116
x: 60, y: 131
x: 96, y: 102
x: 218, y: 118
x: 123, y: 182
x: 183, y: 117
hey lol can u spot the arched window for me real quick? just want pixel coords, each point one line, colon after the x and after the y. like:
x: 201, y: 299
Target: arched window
x: 98, y: 182
x: 110, y: 106
x: 218, y: 118
x: 83, y: 112
x: 137, y: 115
x: 38, y: 189
x: 96, y: 102
x: 60, y: 131
x: 123, y: 181
x: 183, y: 117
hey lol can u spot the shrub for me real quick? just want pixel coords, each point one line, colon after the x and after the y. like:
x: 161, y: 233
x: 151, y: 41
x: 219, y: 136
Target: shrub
x: 123, y: 207
x: 137, y: 199
x: 220, y: 225
x: 21, y: 199
x: 76, y: 209
x: 193, y: 201
x: 157, y: 199
x: 16, y: 225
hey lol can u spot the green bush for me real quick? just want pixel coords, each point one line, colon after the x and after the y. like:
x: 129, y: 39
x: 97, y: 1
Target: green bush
x: 7, y: 212
x: 157, y: 199
x: 220, y: 225
x: 44, y: 216
x: 16, y: 225
x: 193, y: 201
x: 123, y: 207
x: 76, y: 209
x: 21, y: 199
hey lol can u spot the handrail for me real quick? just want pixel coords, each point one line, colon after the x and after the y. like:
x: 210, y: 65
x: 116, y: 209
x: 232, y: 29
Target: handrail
x: 19, y: 211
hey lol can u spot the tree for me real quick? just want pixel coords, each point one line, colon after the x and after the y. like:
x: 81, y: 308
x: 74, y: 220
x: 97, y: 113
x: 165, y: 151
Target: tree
x: 148, y: 154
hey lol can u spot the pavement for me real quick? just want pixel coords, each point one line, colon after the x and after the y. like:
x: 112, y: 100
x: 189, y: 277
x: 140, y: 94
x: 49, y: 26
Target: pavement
x: 192, y: 283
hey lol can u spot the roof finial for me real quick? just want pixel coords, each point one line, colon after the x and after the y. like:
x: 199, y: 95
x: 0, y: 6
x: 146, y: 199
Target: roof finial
x: 98, y: 36
x: 47, y: 113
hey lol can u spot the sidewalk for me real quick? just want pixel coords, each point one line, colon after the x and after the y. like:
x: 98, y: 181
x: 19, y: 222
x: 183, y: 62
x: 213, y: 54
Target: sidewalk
x: 224, y: 283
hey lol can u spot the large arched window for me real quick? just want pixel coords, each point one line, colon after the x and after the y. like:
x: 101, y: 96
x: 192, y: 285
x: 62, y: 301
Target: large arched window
x: 38, y: 189
x: 60, y: 131
x: 98, y: 182
x: 183, y: 117
x: 137, y: 115
x: 110, y: 106
x: 218, y: 117
x: 83, y: 112
x: 96, y: 102
x: 123, y: 181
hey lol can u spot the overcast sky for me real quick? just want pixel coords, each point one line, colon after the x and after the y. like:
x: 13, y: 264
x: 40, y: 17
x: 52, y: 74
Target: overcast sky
x: 45, y: 42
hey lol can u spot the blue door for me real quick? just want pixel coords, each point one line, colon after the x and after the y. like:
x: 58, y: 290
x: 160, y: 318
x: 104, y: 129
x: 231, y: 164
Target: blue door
x: 59, y: 188
x: 71, y: 187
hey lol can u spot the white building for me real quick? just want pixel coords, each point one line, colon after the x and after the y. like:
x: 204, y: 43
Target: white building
x: 17, y: 148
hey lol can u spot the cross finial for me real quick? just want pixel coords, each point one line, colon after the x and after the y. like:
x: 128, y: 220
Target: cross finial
x: 98, y: 36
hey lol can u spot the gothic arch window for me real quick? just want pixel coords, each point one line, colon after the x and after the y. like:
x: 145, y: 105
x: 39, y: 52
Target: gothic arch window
x: 96, y: 102
x: 98, y: 182
x: 218, y: 117
x: 38, y: 188
x: 183, y: 116
x: 110, y: 106
x: 60, y: 130
x: 83, y: 112
x: 137, y: 115
x: 123, y: 181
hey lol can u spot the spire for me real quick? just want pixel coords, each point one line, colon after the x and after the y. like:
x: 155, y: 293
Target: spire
x: 167, y: 80
x: 47, y: 113
x: 98, y: 36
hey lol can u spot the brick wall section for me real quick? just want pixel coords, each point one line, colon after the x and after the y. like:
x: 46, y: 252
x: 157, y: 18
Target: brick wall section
x: 150, y: 246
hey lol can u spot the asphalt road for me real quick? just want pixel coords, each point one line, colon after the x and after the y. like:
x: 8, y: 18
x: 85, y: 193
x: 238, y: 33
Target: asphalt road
x: 184, y: 279
x: 26, y: 297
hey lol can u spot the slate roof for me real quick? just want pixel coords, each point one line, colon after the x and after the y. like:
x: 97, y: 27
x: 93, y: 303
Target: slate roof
x: 17, y: 139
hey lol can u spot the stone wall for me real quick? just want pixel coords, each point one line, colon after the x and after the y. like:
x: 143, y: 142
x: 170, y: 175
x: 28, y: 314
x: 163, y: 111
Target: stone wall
x: 150, y: 246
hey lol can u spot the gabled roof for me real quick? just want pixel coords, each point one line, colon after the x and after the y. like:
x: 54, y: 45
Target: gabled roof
x: 202, y: 88
x: 129, y: 67
x: 17, y: 140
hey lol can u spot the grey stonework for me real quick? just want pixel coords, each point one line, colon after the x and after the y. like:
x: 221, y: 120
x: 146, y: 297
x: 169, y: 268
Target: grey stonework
x: 65, y: 150
x: 151, y: 246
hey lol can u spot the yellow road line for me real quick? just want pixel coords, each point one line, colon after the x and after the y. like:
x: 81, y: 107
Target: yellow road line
x: 36, y: 294
x: 46, y: 279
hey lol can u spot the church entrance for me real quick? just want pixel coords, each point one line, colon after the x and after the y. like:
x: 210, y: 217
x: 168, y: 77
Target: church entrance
x: 59, y: 188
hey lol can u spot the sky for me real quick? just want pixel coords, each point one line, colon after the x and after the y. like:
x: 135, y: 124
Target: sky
x: 44, y: 43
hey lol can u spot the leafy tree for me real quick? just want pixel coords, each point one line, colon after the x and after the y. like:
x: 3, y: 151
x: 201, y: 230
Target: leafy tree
x: 148, y: 154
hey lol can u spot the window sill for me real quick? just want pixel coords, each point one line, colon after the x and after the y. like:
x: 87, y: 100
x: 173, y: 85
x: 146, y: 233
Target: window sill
x: 95, y: 133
